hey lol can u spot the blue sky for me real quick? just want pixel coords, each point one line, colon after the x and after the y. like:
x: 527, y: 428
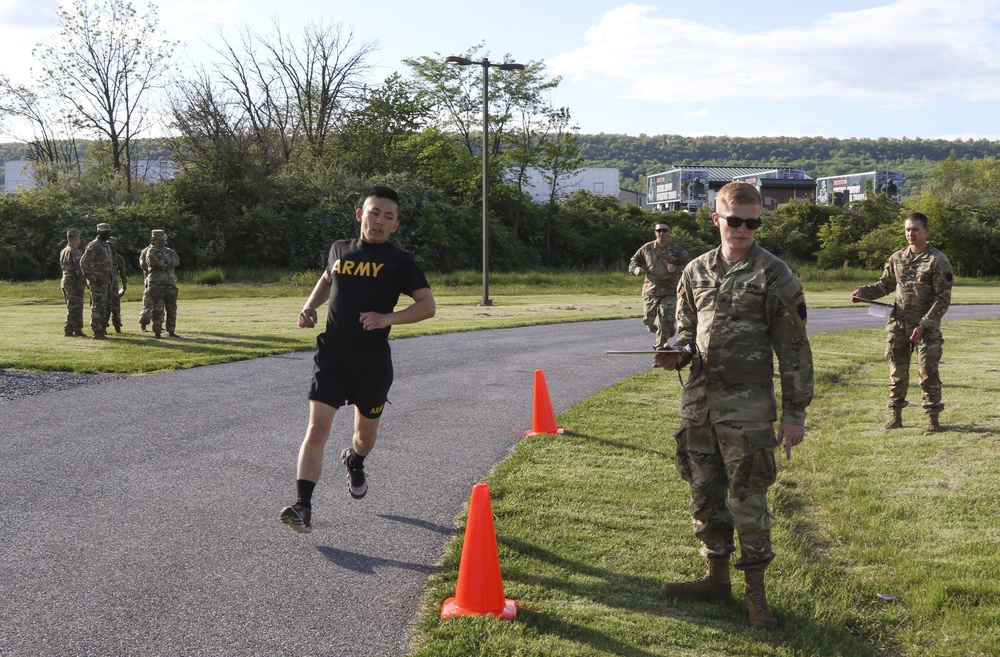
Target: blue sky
x: 852, y: 68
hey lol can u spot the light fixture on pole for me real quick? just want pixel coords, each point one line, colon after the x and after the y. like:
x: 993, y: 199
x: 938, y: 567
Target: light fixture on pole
x: 486, y: 64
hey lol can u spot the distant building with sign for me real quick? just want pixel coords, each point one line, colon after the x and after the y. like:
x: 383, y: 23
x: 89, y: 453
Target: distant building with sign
x: 851, y: 187
x: 690, y: 187
x: 779, y: 186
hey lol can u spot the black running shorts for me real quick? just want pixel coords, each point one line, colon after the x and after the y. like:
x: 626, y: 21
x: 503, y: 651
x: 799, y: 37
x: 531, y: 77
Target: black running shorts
x: 359, y: 375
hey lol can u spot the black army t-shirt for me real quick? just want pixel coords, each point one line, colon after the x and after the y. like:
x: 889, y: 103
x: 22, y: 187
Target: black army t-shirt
x: 366, y: 278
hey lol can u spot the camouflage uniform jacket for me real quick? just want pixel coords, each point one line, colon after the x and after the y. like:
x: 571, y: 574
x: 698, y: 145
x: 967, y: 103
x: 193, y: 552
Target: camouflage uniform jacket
x: 96, y: 263
x: 144, y: 261
x: 922, y: 282
x: 739, y: 321
x: 69, y: 261
x: 653, y: 260
x: 118, y: 277
x: 161, y: 266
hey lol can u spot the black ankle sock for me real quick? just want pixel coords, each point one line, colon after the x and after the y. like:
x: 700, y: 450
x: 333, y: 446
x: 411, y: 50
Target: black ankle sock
x: 355, y: 460
x: 305, y: 491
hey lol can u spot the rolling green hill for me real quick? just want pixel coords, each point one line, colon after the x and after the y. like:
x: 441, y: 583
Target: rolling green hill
x: 637, y: 157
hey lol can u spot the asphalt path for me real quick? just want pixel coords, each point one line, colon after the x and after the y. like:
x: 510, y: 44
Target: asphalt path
x: 139, y: 516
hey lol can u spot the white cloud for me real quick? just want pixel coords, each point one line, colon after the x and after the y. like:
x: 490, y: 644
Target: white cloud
x: 901, y: 54
x: 28, y: 14
x: 215, y: 11
x: 697, y: 114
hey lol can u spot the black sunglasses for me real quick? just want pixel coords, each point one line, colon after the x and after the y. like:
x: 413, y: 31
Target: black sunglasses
x: 662, y: 230
x: 736, y: 222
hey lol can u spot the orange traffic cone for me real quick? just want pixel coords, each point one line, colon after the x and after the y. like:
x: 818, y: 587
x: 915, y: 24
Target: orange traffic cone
x: 543, y: 418
x: 480, y: 588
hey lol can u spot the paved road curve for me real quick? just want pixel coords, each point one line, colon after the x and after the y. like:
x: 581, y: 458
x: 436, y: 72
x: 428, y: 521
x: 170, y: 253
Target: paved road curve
x: 138, y: 516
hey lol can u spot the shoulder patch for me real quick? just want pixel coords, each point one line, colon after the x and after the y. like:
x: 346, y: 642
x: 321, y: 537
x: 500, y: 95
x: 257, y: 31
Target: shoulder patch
x: 802, y: 310
x: 948, y: 276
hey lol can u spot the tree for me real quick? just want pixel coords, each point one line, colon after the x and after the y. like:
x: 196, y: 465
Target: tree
x: 104, y: 63
x: 316, y: 79
x: 51, y: 144
x: 962, y: 201
x: 558, y: 160
x: 289, y: 92
x: 373, y: 133
x: 518, y: 104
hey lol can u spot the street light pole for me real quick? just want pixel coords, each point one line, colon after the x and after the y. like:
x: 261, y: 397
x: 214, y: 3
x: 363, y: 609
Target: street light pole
x: 507, y: 66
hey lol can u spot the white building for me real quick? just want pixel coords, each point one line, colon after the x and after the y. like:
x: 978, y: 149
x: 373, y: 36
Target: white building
x: 17, y: 173
x: 602, y: 181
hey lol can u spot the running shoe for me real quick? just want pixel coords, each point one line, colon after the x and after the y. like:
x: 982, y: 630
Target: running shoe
x: 357, y: 483
x: 297, y: 517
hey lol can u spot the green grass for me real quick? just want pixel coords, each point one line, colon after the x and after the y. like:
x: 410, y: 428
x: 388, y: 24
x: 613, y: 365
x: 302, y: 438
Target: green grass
x: 237, y: 319
x: 219, y: 330
x: 590, y: 523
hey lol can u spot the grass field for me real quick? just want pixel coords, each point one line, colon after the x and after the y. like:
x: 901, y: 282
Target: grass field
x: 240, y: 320
x: 590, y: 523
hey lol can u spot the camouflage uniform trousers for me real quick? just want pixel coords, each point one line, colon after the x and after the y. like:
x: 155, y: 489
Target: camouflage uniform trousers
x: 100, y: 305
x: 73, y: 294
x: 163, y: 297
x: 146, y: 314
x: 659, y: 317
x: 898, y: 350
x: 114, y: 311
x: 730, y: 465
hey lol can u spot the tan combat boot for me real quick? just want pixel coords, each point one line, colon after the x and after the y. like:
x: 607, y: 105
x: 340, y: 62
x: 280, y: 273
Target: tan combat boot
x: 100, y: 335
x: 896, y: 422
x: 933, y: 426
x: 714, y: 586
x: 755, y: 602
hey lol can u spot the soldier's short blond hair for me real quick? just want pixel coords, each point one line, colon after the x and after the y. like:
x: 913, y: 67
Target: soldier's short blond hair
x: 737, y: 193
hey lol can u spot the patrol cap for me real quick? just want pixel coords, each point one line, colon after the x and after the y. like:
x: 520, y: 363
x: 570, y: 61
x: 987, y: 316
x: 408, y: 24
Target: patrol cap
x: 101, y: 227
x: 72, y: 232
x: 159, y: 233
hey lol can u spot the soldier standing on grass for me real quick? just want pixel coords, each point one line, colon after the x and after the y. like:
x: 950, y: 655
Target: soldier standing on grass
x: 97, y: 263
x: 737, y: 307
x: 72, y: 284
x: 162, y: 283
x: 119, y: 283
x: 146, y: 314
x: 922, y: 279
x: 661, y: 262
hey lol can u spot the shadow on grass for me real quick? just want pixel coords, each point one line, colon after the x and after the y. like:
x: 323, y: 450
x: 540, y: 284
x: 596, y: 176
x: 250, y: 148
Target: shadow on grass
x: 224, y: 343
x: 557, y: 626
x: 620, y: 446
x: 641, y: 596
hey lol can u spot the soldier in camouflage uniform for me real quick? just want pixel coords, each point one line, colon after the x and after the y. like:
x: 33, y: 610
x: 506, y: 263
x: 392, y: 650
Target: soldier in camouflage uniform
x: 162, y: 283
x: 97, y: 263
x: 119, y: 283
x: 738, y: 306
x: 72, y: 284
x: 922, y: 279
x: 661, y: 262
x: 146, y: 314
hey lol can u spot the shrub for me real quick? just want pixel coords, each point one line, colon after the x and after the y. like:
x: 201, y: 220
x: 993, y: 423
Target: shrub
x: 210, y: 276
